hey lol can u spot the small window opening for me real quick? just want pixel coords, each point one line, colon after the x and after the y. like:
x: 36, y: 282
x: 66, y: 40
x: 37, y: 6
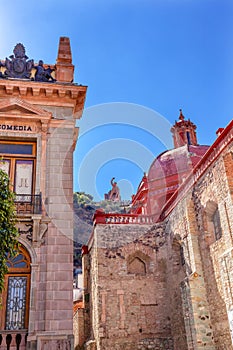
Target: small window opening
x: 217, y: 225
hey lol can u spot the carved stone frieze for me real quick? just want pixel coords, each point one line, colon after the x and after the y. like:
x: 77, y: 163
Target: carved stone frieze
x: 33, y: 230
x: 25, y: 229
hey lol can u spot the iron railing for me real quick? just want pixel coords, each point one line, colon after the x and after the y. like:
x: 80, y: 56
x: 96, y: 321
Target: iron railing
x: 28, y: 203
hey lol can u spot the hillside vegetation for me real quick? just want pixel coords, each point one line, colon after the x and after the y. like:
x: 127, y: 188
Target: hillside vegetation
x: 84, y: 209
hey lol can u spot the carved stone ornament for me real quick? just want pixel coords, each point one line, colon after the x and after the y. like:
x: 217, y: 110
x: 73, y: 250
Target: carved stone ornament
x: 42, y: 230
x: 34, y: 230
x: 27, y: 230
x: 18, y: 66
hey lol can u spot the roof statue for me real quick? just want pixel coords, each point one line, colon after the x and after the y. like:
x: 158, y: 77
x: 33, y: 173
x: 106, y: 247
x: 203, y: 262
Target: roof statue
x: 114, y: 193
x: 20, y: 67
x: 43, y: 74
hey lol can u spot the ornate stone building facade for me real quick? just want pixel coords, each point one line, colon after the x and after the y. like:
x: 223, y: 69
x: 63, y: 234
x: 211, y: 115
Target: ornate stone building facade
x: 161, y: 277
x: 39, y: 105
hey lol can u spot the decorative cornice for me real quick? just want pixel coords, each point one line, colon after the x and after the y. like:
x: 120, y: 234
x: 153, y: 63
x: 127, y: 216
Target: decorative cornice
x: 59, y: 94
x: 57, y: 90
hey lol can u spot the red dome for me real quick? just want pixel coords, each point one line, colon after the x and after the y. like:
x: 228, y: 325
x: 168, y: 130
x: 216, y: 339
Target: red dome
x: 176, y: 161
x: 165, y: 175
x: 169, y: 169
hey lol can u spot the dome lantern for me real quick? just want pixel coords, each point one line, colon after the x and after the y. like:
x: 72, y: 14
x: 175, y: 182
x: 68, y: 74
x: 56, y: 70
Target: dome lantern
x: 184, y: 132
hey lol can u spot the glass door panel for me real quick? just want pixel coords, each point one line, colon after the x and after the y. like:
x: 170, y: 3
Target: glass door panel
x: 23, y: 179
x: 16, y: 303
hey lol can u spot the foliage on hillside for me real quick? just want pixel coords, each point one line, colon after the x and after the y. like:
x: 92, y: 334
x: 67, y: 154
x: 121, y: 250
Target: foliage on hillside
x: 8, y: 230
x: 84, y: 200
x: 84, y: 209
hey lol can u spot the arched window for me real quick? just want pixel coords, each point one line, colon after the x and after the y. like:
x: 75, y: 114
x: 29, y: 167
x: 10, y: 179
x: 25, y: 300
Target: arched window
x: 178, y: 256
x: 217, y: 224
x: 188, y: 137
x: 15, y: 297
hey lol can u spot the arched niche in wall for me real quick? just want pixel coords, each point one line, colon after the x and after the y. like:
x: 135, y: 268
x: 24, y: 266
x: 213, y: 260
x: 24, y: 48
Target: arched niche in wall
x: 178, y: 257
x: 138, y: 263
x: 212, y: 221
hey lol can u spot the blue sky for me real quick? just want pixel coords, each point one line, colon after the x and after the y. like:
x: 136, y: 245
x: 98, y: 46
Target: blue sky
x: 142, y: 61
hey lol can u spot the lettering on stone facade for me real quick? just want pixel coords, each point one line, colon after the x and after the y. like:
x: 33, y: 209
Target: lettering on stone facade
x: 15, y: 127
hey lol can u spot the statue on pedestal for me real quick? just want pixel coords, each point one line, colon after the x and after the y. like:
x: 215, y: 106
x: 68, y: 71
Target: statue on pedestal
x: 114, y: 193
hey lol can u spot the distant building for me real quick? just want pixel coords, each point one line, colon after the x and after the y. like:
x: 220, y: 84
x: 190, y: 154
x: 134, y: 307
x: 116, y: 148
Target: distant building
x: 39, y: 105
x: 162, y: 276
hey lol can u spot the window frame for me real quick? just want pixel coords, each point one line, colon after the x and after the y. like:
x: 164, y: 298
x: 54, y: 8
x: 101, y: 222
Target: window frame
x: 16, y: 272
x: 13, y: 158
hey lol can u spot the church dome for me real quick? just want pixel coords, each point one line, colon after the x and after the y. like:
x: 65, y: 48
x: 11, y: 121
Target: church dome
x: 169, y: 169
x: 176, y: 161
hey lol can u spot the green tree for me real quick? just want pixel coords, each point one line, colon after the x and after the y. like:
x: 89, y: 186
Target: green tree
x: 83, y: 199
x: 8, y: 230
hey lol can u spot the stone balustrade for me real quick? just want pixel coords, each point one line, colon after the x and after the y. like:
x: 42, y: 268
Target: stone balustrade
x: 13, y: 340
x: 101, y: 217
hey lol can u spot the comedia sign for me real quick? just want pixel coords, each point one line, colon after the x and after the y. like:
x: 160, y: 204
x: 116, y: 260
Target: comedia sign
x: 15, y: 127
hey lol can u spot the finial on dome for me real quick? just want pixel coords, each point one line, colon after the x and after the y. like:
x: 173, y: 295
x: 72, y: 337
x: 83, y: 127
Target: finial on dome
x: 181, y: 117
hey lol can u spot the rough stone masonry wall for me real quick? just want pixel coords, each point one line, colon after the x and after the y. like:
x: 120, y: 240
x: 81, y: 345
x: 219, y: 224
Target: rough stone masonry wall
x: 175, y: 275
x: 179, y: 267
x: 129, y: 300
x: 215, y: 188
x: 78, y: 321
x: 168, y: 286
x: 193, y: 290
x: 203, y: 281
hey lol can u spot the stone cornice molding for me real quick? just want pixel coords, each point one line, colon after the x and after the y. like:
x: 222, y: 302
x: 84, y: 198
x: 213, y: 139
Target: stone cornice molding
x: 52, y: 94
